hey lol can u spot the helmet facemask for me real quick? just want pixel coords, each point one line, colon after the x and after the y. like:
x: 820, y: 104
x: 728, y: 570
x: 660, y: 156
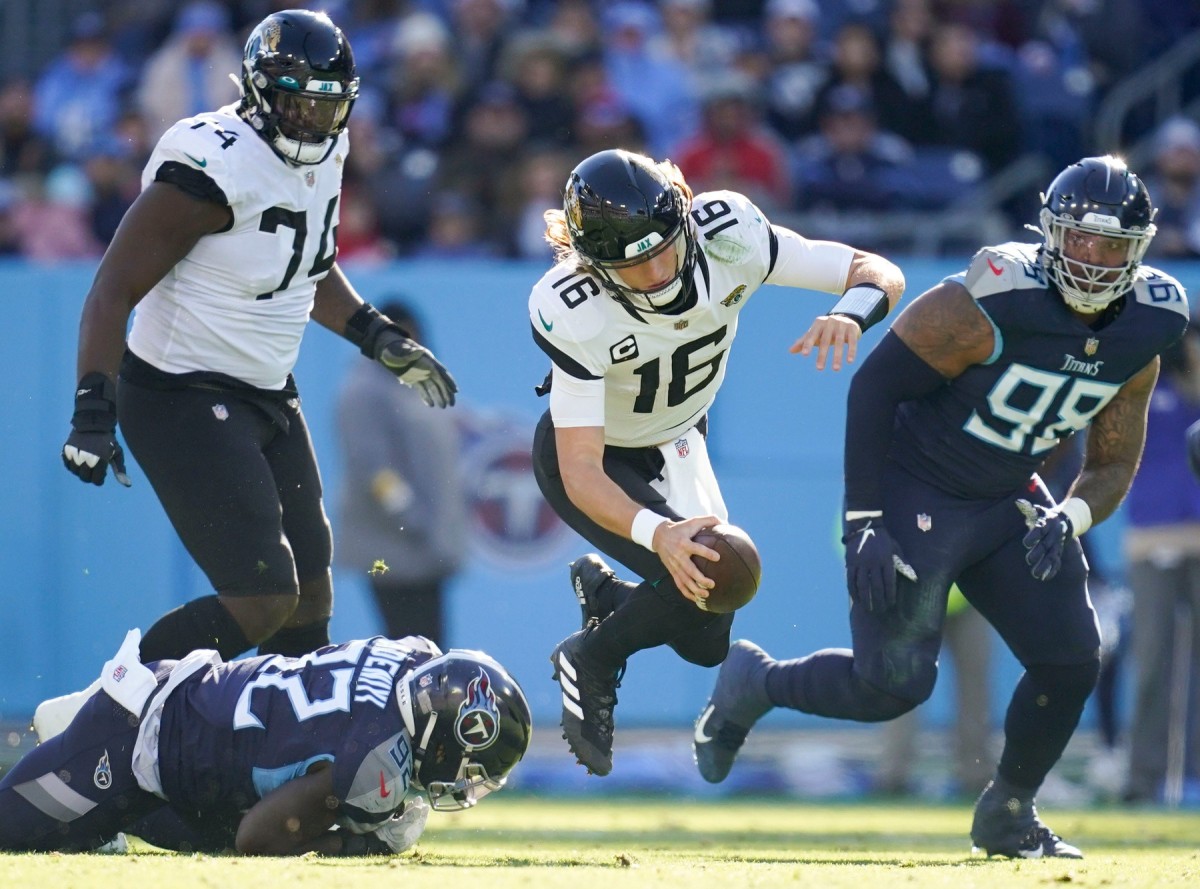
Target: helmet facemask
x: 1086, y: 287
x: 664, y: 298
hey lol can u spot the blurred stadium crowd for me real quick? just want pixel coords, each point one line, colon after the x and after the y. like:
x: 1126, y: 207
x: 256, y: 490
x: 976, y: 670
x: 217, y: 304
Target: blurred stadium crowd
x: 831, y: 114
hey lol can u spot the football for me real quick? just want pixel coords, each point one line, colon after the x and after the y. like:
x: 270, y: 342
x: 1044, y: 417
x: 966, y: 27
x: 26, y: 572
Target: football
x: 737, y: 573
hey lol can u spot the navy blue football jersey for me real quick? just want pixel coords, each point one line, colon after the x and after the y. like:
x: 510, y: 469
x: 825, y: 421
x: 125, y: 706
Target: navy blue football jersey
x: 233, y: 732
x: 985, y: 433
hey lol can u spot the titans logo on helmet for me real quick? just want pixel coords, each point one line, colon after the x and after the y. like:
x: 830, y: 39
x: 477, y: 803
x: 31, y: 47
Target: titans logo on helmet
x: 478, y: 722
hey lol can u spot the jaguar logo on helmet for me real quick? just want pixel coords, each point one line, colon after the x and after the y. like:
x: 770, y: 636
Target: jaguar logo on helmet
x: 478, y: 724
x: 574, y: 210
x: 271, y: 36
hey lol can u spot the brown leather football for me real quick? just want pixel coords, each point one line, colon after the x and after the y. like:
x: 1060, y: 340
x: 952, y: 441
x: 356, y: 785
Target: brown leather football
x: 736, y: 574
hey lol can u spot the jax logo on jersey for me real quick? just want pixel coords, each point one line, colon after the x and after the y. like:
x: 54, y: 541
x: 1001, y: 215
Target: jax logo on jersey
x: 478, y: 722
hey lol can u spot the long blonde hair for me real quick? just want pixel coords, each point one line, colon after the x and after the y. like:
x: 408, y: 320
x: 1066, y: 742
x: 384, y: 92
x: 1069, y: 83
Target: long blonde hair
x: 558, y: 236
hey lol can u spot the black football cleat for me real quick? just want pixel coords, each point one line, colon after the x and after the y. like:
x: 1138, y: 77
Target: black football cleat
x: 1006, y: 824
x: 590, y: 579
x: 739, y: 699
x: 589, y: 696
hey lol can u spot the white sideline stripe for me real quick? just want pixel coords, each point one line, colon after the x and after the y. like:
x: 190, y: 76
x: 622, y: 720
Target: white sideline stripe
x: 50, y: 794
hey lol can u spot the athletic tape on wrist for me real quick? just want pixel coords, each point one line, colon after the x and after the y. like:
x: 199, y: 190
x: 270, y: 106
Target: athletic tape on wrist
x: 644, y: 525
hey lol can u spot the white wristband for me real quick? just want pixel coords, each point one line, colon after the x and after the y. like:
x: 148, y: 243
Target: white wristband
x: 1080, y: 514
x: 644, y: 525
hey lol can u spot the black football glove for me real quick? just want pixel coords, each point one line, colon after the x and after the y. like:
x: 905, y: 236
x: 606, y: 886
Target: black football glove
x: 92, y: 445
x: 412, y: 363
x: 872, y: 560
x: 1049, y: 532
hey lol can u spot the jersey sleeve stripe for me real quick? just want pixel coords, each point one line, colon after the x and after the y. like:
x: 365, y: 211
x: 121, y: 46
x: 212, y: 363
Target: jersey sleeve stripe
x: 774, y: 247
x: 192, y: 181
x: 561, y: 359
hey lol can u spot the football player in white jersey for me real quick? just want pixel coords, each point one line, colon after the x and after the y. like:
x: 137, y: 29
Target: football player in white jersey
x: 227, y: 253
x: 637, y: 318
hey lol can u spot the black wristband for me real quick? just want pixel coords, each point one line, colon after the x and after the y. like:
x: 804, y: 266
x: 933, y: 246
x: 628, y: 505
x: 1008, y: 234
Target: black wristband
x: 866, y: 303
x: 95, y: 404
x: 366, y: 324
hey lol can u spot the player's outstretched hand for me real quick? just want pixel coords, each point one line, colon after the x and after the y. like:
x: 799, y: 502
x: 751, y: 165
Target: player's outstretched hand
x: 873, y: 559
x: 833, y: 336
x: 92, y: 445
x: 674, y: 545
x: 415, y: 366
x: 1048, y: 533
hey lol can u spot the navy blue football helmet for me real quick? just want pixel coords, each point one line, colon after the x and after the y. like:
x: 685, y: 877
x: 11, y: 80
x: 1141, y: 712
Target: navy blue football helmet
x: 1096, y: 196
x: 470, y: 724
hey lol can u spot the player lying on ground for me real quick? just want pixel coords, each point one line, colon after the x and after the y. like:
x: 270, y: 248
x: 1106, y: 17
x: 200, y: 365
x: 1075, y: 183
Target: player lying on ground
x: 341, y: 752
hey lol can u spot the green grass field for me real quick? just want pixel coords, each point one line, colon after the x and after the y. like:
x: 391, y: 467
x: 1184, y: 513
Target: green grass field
x: 522, y: 842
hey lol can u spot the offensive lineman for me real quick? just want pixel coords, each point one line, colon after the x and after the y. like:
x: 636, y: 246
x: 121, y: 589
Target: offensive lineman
x: 637, y: 318
x: 227, y: 253
x: 948, y: 420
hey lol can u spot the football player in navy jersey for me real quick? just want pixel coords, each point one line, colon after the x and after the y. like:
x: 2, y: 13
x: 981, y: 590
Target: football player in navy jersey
x: 227, y: 254
x: 341, y: 751
x: 948, y: 421
x: 638, y: 317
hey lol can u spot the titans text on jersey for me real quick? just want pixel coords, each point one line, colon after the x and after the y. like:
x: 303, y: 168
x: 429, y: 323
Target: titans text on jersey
x: 1048, y: 376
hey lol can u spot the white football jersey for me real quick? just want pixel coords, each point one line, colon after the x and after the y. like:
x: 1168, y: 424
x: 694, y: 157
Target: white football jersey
x: 660, y: 373
x: 239, y: 302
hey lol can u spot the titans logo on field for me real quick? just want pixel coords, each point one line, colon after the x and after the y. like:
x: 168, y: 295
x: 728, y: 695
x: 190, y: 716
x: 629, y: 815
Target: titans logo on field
x: 478, y: 722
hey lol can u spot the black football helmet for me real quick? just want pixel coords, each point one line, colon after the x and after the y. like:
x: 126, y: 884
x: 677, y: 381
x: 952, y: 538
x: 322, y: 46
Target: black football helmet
x: 469, y: 723
x: 298, y: 84
x: 622, y: 211
x: 1099, y: 196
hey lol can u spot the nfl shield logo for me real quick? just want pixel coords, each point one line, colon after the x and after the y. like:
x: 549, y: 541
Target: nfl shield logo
x: 681, y: 447
x: 220, y: 412
x: 309, y: 178
x: 924, y: 522
x: 1090, y: 347
x: 680, y: 325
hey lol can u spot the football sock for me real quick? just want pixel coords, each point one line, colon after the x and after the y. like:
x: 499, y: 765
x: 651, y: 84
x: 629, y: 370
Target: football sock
x: 200, y: 623
x: 295, y: 641
x: 825, y: 684
x: 649, y: 617
x: 1041, y: 718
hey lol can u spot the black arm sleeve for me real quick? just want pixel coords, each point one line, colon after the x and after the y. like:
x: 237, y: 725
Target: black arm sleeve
x: 891, y: 374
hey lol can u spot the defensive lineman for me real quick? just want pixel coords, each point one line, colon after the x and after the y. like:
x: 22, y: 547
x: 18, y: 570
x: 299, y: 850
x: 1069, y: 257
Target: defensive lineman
x: 638, y: 318
x: 948, y: 420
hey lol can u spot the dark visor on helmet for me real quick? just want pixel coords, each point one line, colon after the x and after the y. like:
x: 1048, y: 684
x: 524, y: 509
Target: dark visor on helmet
x: 312, y: 113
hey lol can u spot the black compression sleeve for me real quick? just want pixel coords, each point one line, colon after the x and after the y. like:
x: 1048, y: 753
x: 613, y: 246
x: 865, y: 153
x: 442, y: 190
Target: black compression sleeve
x: 891, y: 374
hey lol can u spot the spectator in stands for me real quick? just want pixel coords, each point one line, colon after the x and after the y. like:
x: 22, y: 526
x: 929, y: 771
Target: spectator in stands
x: 690, y: 37
x: 78, y: 96
x: 190, y: 72
x: 52, y: 218
x: 114, y: 181
x: 575, y: 27
x: 850, y: 164
x: 10, y: 242
x: 456, y: 229
x: 425, y: 82
x: 796, y: 69
x: 906, y: 61
x: 733, y: 149
x: 539, y: 188
x: 857, y: 62
x: 657, y: 89
x: 1162, y: 546
x: 22, y: 151
x: 481, y: 28
x: 403, y: 507
x: 536, y: 65
x: 1176, y: 183
x: 972, y: 107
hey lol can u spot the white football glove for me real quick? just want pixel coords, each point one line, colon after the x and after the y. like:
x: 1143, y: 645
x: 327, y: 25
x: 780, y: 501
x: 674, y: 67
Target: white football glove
x: 403, y: 829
